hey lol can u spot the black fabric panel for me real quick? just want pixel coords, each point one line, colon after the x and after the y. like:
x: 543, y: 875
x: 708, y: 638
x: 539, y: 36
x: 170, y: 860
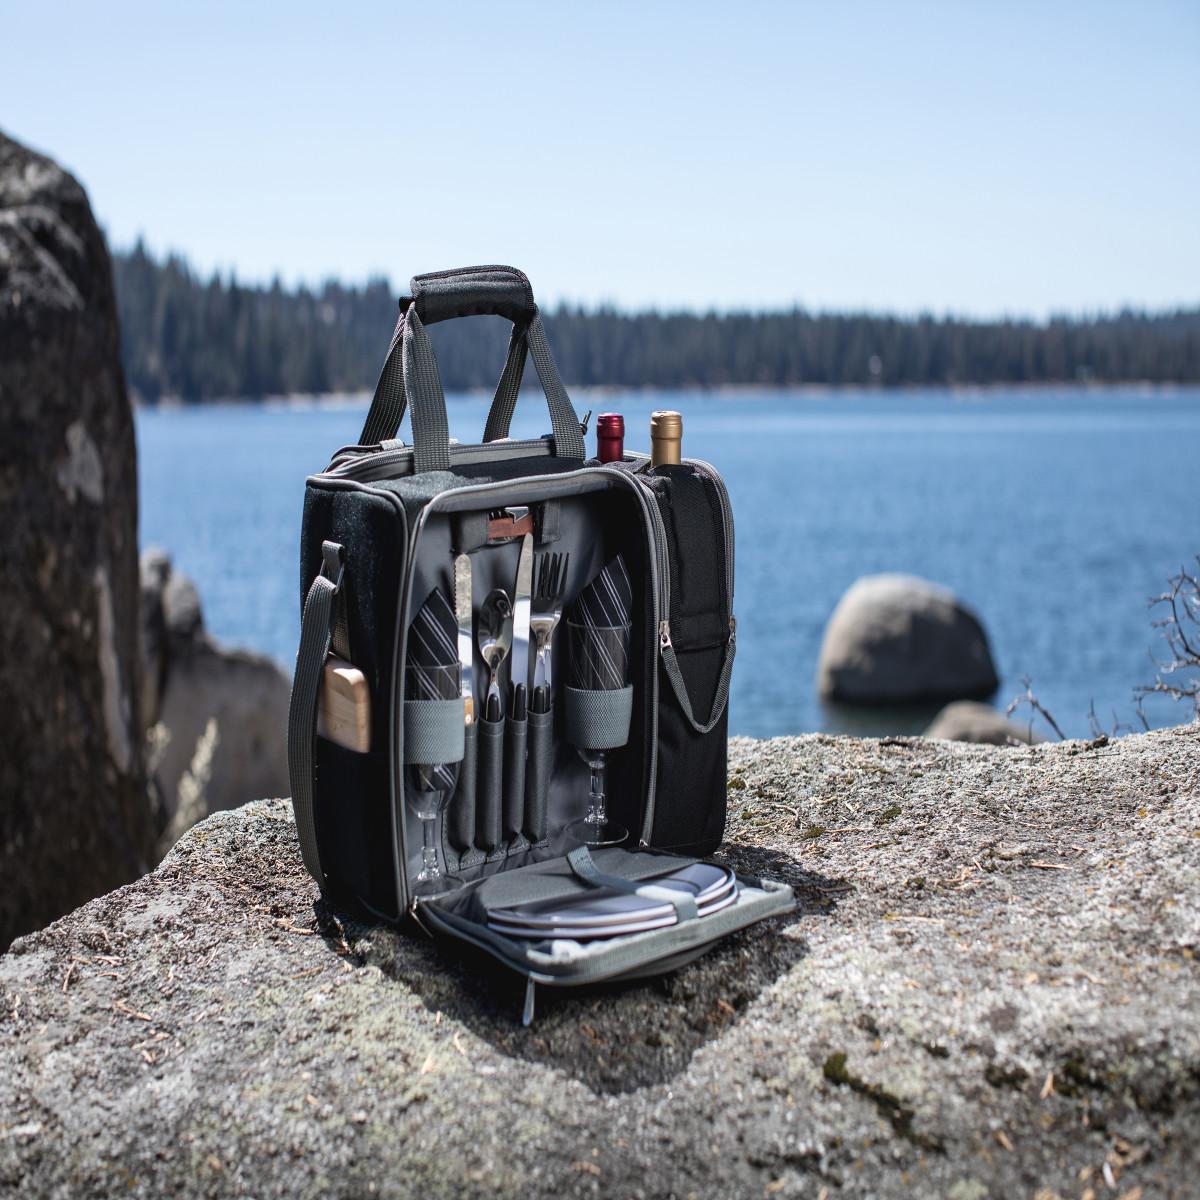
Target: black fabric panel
x: 691, y: 511
x: 370, y: 529
x: 691, y: 797
x: 352, y: 793
x: 689, y: 810
x: 354, y: 830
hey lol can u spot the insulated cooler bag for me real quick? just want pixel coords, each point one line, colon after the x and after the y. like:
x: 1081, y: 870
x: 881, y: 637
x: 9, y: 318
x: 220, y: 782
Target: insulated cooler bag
x: 384, y: 524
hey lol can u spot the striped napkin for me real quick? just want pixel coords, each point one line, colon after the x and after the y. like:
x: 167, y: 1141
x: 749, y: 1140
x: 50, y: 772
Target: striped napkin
x: 433, y: 643
x: 599, y: 630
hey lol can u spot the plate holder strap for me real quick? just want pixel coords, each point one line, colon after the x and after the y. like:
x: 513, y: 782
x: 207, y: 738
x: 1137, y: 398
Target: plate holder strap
x: 584, y: 866
x: 319, y: 622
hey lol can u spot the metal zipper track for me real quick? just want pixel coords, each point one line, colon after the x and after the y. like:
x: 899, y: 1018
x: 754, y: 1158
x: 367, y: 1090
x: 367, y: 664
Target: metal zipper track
x: 547, y: 485
x: 365, y: 463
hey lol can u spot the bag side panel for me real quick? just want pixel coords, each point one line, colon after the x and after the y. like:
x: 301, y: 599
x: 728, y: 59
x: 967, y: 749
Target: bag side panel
x: 690, y: 804
x: 351, y: 795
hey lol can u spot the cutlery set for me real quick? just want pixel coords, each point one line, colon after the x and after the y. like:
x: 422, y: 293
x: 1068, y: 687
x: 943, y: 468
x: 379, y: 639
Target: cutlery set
x: 500, y: 799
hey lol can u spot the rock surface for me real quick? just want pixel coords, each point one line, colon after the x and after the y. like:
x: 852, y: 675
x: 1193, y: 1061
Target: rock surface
x: 216, y: 717
x: 970, y: 721
x: 898, y: 639
x: 990, y: 988
x: 75, y: 818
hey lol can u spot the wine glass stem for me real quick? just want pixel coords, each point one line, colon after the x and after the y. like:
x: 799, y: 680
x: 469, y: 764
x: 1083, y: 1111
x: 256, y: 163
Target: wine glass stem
x: 597, y: 813
x: 429, y: 860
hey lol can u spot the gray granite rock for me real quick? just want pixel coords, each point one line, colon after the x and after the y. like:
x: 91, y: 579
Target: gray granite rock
x: 217, y: 730
x: 75, y: 818
x: 970, y: 721
x: 990, y: 989
x: 898, y: 639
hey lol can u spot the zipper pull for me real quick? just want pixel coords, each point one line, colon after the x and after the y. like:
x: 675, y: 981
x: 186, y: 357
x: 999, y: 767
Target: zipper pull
x: 664, y: 636
x: 583, y: 425
x: 733, y: 629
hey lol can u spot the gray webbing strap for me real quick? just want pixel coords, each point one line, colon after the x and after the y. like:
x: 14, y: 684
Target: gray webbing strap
x: 388, y: 405
x: 410, y: 379
x: 584, y: 866
x: 568, y: 438
x: 423, y: 387
x: 568, y: 434
x: 679, y: 687
x: 316, y: 632
x: 508, y: 389
x: 332, y: 559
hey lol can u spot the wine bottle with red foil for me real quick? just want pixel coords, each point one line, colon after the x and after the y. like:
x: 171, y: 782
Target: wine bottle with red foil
x: 610, y: 437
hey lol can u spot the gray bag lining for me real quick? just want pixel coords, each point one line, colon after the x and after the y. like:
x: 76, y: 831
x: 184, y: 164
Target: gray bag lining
x: 463, y: 915
x: 591, y: 527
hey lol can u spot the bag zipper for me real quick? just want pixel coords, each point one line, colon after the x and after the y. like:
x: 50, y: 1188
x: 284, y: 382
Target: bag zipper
x: 367, y: 463
x: 649, y: 513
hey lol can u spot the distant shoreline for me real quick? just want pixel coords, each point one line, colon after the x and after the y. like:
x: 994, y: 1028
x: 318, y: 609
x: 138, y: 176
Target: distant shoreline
x: 354, y: 400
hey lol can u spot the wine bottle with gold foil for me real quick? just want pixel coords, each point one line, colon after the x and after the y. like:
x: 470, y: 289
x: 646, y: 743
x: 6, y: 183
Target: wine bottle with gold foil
x: 666, y: 437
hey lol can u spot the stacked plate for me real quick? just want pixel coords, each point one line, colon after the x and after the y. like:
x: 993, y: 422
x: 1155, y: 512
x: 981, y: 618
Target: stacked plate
x: 606, y: 912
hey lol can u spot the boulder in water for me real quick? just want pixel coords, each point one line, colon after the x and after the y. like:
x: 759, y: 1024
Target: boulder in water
x: 970, y: 721
x: 898, y: 639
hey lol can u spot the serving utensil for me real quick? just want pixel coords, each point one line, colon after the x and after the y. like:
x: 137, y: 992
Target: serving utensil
x: 495, y: 640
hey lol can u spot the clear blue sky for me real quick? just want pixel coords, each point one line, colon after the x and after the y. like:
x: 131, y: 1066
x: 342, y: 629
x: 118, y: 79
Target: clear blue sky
x: 968, y: 157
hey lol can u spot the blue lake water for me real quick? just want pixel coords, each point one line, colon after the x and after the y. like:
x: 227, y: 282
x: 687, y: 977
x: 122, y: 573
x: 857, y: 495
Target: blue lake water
x: 1055, y: 514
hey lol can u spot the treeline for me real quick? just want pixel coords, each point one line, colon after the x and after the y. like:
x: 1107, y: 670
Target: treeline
x: 198, y: 339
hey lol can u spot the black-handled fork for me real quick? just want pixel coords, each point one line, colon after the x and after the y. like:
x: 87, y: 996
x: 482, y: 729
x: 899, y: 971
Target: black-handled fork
x: 549, y: 588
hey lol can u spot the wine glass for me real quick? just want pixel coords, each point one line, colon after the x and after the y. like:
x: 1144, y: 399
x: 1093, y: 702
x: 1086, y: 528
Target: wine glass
x: 598, y: 663
x: 430, y: 784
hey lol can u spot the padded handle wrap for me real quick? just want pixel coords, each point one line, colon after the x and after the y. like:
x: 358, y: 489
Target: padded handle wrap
x: 473, y: 292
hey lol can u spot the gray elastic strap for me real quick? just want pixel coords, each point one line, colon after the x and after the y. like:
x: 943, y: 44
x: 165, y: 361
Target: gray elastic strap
x: 598, y: 719
x: 433, y: 731
x: 671, y: 665
x: 584, y: 866
x: 316, y: 633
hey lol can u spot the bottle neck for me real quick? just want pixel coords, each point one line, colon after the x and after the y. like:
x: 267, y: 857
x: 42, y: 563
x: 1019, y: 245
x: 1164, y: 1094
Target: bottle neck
x: 665, y: 452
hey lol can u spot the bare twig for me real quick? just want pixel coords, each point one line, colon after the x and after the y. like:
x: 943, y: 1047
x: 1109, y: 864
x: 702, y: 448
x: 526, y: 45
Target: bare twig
x: 1178, y: 678
x: 1035, y: 706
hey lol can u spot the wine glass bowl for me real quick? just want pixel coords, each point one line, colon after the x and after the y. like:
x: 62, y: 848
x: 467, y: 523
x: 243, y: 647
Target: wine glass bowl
x: 598, y: 707
x: 428, y: 785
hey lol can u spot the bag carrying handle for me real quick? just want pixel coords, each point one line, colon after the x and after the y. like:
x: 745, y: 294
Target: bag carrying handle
x: 473, y: 292
x: 410, y: 374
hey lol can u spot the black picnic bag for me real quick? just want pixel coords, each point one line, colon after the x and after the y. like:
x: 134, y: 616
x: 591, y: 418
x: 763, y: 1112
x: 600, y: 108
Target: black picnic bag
x: 385, y: 524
